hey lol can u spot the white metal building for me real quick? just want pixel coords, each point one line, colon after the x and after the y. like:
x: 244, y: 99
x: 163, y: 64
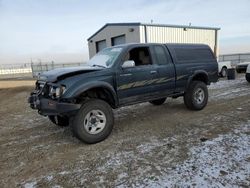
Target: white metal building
x: 113, y: 34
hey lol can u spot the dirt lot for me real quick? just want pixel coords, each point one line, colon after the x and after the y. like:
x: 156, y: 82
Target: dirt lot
x: 151, y: 146
x: 16, y: 83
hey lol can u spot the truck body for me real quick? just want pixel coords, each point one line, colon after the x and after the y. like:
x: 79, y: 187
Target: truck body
x: 124, y: 75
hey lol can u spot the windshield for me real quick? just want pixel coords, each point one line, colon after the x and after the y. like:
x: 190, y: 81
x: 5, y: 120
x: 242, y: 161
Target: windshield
x: 105, y: 58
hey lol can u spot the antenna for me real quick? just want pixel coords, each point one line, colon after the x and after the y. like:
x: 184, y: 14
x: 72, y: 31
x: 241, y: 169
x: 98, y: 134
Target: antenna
x: 151, y: 21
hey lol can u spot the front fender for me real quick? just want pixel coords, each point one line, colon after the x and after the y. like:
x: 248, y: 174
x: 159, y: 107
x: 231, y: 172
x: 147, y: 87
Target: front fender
x: 73, y: 93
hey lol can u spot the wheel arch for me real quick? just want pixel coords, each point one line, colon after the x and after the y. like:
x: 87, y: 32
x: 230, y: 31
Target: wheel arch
x: 101, y: 90
x: 198, y: 76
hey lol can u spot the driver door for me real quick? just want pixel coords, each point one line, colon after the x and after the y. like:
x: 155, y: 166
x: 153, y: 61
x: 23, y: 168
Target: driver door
x: 133, y: 83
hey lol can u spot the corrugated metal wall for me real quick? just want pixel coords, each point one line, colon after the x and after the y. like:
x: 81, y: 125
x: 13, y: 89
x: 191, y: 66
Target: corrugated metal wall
x: 158, y: 34
x: 113, y: 31
x: 155, y: 34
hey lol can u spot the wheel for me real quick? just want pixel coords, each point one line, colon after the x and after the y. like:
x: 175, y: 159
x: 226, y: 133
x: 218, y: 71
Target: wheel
x: 93, y: 122
x: 196, y: 96
x: 248, y: 78
x: 158, y: 101
x: 224, y: 72
x: 59, y: 120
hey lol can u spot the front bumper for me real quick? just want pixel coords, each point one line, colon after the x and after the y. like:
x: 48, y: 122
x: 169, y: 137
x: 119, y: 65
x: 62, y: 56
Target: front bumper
x: 51, y: 107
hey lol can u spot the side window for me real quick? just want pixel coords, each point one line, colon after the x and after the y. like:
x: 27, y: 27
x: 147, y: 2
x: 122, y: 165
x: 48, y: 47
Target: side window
x: 140, y: 56
x: 162, y: 56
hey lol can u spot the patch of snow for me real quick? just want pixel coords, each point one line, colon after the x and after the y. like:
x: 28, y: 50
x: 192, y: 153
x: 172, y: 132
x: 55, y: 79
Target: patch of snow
x: 49, y: 178
x: 56, y: 186
x: 30, y: 184
x: 64, y: 172
x: 227, y: 83
x: 223, y: 161
x: 229, y: 94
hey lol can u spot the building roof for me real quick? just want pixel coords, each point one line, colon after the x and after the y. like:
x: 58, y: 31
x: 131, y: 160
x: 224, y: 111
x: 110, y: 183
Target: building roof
x: 151, y: 24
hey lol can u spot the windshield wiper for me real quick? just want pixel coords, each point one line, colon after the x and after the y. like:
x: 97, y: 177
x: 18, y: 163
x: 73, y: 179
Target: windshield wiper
x: 95, y: 65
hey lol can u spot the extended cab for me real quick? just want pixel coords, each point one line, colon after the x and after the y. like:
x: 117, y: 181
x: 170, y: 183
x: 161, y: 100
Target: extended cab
x: 123, y: 75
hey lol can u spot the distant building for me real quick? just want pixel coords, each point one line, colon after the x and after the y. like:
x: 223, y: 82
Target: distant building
x: 113, y: 34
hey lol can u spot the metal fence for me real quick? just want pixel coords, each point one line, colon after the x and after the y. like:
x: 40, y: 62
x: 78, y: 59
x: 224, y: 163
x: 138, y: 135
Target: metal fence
x: 235, y: 58
x: 31, y: 70
x: 38, y: 68
x: 8, y: 71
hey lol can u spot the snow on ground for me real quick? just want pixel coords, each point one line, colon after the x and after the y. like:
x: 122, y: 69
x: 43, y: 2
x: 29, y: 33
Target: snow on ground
x: 228, y: 89
x: 219, y: 162
x: 223, y: 161
x: 227, y: 83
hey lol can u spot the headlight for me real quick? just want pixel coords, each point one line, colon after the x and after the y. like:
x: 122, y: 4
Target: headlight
x: 56, y: 91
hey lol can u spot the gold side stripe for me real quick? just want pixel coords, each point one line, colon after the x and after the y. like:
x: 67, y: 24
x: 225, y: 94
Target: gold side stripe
x: 144, y: 82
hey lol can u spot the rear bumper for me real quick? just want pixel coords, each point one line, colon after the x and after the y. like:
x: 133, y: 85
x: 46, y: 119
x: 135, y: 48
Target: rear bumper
x: 241, y: 68
x: 51, y: 107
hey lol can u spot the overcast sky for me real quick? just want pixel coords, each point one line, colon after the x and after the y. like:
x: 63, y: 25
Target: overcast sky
x: 58, y: 29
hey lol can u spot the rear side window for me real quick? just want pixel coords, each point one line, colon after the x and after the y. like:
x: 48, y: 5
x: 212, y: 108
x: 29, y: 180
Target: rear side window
x: 162, y: 56
x: 193, y: 54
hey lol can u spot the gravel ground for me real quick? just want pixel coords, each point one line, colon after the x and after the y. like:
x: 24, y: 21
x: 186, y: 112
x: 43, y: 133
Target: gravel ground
x: 153, y: 146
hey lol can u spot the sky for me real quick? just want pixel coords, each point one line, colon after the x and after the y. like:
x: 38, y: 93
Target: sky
x: 57, y: 30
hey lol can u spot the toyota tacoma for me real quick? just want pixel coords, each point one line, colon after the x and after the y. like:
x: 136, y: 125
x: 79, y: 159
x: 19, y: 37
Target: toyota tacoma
x: 83, y: 97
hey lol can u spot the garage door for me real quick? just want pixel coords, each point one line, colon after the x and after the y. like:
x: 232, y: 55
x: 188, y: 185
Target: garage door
x: 118, y: 40
x: 100, y: 45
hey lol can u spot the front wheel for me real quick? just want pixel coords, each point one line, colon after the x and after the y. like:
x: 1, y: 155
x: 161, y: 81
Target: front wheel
x: 196, y: 96
x: 93, y: 122
x: 158, y: 101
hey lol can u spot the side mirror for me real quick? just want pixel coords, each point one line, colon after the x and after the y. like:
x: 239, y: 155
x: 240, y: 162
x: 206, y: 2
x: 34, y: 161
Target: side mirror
x: 128, y: 64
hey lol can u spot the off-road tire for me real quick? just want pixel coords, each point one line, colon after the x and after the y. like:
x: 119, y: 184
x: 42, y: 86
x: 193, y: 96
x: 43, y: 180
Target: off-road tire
x: 59, y: 120
x: 189, y: 96
x: 77, y: 124
x: 158, y: 101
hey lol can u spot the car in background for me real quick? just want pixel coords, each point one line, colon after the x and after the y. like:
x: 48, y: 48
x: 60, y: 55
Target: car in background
x: 223, y: 66
x: 248, y: 73
x: 242, y: 67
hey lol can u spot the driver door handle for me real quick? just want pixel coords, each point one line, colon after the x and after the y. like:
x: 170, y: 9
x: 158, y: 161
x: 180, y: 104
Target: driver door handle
x: 124, y: 75
x: 153, y: 72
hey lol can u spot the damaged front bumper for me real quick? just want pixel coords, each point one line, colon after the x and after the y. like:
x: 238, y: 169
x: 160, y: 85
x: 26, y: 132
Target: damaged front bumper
x: 47, y: 106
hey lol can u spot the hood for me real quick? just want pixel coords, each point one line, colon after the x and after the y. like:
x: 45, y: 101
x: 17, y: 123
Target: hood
x: 62, y: 73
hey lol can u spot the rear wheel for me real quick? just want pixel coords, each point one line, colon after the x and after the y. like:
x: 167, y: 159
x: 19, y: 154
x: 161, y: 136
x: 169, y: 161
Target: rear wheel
x: 59, y: 120
x: 94, y: 121
x: 196, y: 96
x: 158, y: 101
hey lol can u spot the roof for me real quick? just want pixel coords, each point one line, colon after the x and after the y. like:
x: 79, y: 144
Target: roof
x: 156, y: 25
x: 173, y: 45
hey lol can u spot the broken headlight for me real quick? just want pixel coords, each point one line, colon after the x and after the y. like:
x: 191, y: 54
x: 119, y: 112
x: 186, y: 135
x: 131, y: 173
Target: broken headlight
x: 56, y: 91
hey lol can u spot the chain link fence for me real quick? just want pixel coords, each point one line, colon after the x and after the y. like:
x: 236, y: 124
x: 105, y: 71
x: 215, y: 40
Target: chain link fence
x: 14, y: 71
x: 38, y: 68
x: 32, y: 70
